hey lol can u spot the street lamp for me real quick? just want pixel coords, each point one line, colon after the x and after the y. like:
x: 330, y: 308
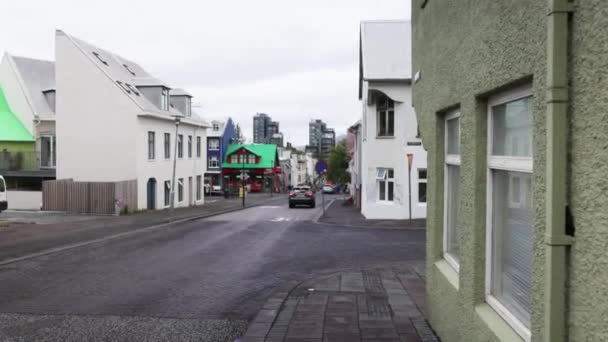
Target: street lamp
x: 243, y: 179
x: 178, y: 119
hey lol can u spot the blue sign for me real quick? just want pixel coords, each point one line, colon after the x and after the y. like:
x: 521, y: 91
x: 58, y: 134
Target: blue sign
x: 321, y: 167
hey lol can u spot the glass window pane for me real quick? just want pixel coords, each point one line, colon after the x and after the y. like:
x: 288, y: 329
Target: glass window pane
x: 382, y: 188
x: 391, y: 174
x: 382, y: 123
x: 391, y: 123
x: 390, y: 190
x: 512, y: 128
x: 421, y: 173
x: 512, y: 244
x: 422, y: 192
x: 453, y: 173
x: 453, y: 136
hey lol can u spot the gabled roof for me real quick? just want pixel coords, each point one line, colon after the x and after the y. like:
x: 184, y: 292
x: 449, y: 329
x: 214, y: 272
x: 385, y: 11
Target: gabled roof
x: 385, y: 50
x: 120, y: 69
x: 36, y: 76
x: 12, y: 128
x: 266, y: 152
x: 179, y: 92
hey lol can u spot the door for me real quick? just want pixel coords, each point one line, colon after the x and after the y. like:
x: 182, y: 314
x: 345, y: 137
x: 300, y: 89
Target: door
x: 3, y: 199
x: 190, y: 192
x: 151, y: 193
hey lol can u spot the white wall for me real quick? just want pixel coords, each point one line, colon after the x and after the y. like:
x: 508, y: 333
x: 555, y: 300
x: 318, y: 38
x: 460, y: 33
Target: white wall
x: 390, y: 153
x: 95, y: 121
x: 24, y: 200
x: 161, y: 169
x: 15, y: 95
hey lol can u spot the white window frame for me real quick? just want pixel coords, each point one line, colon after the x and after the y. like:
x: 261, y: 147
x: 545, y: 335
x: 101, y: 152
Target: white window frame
x: 454, y: 160
x: 167, y: 143
x: 213, y: 162
x: 386, y: 180
x: 180, y: 190
x: 164, y: 99
x: 212, y: 147
x: 422, y: 180
x: 385, y: 112
x: 151, y: 145
x: 189, y: 147
x: 507, y: 163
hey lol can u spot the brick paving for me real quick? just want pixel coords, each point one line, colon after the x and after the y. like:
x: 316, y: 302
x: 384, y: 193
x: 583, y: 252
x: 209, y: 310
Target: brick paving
x: 384, y: 305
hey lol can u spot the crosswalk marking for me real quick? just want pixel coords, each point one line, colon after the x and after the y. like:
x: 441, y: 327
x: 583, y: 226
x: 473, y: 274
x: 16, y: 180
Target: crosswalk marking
x: 284, y: 219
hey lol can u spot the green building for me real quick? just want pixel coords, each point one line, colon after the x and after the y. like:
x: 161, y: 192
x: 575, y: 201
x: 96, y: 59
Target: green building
x: 17, y: 145
x: 511, y: 98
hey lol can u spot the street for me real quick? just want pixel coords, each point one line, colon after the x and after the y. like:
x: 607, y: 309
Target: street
x: 201, y: 280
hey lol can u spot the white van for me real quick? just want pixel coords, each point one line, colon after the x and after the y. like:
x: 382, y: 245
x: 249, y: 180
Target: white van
x: 3, y: 199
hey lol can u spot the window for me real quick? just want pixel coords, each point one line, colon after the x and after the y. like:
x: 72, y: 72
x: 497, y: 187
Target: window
x: 421, y: 185
x: 180, y: 146
x: 510, y: 216
x: 386, y: 116
x: 132, y: 88
x: 151, y: 143
x: 233, y: 159
x: 199, y: 187
x: 48, y: 151
x: 167, y: 193
x: 99, y: 58
x: 214, y: 144
x: 386, y: 184
x: 216, y: 126
x: 198, y: 147
x: 129, y: 70
x: 188, y: 107
x: 213, y: 162
x: 164, y: 99
x: 189, y: 146
x: 251, y: 159
x: 241, y: 159
x: 450, y: 193
x: 180, y: 189
x: 124, y: 87
x: 167, y: 145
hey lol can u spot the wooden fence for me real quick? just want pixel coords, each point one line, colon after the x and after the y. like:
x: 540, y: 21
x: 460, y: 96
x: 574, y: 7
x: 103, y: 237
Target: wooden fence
x: 89, y: 197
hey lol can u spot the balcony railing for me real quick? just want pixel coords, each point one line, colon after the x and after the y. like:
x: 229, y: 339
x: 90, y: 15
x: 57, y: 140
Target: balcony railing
x: 26, y: 161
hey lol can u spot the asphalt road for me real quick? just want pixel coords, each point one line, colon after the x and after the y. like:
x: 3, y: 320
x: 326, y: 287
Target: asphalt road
x: 198, y: 281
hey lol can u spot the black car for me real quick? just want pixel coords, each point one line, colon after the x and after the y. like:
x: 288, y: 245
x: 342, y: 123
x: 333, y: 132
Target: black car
x: 301, y: 195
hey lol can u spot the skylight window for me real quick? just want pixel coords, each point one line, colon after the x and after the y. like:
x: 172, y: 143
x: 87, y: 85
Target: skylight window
x: 124, y: 87
x: 100, y: 59
x: 129, y: 70
x: 132, y: 89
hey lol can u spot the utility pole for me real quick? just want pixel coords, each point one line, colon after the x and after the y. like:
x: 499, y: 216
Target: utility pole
x: 243, y: 179
x: 177, y: 122
x: 410, y: 158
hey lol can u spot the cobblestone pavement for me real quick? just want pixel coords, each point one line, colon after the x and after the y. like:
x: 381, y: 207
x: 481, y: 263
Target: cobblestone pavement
x: 382, y: 304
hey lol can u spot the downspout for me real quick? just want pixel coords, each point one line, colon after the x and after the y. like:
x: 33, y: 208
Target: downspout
x: 557, y: 242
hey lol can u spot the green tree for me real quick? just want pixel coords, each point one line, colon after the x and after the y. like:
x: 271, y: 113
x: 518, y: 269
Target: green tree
x: 338, y: 164
x: 240, y: 138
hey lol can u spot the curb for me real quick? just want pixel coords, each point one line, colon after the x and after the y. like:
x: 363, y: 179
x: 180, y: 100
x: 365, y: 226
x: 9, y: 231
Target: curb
x: 119, y: 235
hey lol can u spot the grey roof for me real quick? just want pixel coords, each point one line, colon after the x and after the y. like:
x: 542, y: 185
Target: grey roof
x: 37, y: 76
x: 386, y: 50
x: 218, y: 133
x: 179, y: 92
x: 118, y: 68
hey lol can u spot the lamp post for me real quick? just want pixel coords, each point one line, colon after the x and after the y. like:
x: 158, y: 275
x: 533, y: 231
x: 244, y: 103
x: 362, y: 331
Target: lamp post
x: 178, y: 119
x: 243, y: 179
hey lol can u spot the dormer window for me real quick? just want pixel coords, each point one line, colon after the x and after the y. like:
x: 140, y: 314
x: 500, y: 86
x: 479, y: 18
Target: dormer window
x: 188, y: 107
x: 129, y: 70
x: 49, y: 95
x: 216, y: 126
x: 164, y: 99
x: 99, y: 58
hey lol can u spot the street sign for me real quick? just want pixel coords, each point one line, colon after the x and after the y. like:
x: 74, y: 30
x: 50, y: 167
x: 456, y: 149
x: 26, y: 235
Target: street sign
x: 321, y: 167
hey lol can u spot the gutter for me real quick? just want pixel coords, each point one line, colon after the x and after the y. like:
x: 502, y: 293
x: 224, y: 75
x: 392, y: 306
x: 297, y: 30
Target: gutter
x: 557, y: 241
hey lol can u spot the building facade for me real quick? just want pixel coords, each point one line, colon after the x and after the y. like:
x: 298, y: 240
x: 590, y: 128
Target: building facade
x: 258, y: 162
x: 393, y: 161
x: 219, y: 136
x: 321, y: 139
x: 28, y: 87
x: 266, y: 131
x: 511, y: 108
x: 118, y: 123
x: 354, y: 143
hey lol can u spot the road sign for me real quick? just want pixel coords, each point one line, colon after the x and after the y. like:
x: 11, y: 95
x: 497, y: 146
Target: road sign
x: 321, y: 167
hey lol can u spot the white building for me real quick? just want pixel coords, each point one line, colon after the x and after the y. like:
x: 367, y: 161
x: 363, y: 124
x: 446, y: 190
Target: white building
x: 388, y: 126
x: 116, y: 122
x: 354, y: 143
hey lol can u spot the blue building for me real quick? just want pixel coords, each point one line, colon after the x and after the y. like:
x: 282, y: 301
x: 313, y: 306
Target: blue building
x: 218, y: 138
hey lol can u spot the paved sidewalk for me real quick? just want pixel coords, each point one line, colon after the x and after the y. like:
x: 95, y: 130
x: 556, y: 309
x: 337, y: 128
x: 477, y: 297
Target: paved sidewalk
x: 382, y: 305
x: 348, y: 215
x: 17, y: 240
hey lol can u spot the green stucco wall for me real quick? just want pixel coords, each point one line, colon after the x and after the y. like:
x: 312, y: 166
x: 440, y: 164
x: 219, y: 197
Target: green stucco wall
x: 17, y: 146
x: 466, y: 51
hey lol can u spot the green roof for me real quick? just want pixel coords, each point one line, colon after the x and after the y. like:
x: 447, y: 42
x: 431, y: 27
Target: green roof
x: 266, y: 152
x: 11, y: 128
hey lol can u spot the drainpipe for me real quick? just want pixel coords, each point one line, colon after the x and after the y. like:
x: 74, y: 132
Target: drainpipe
x: 557, y: 242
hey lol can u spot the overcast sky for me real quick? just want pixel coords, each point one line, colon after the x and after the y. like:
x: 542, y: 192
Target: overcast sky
x: 295, y: 60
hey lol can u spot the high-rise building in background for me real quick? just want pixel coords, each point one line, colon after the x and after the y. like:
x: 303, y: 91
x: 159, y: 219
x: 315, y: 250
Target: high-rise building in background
x: 264, y: 130
x: 321, y: 140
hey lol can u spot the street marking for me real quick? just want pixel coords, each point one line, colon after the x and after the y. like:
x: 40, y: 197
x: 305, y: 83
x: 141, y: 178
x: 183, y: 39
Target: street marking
x: 269, y: 207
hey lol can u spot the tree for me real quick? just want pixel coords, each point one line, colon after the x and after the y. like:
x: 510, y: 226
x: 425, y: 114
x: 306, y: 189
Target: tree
x: 338, y: 164
x: 239, y: 134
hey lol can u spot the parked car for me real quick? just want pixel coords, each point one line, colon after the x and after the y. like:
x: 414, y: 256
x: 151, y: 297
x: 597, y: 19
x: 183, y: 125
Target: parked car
x: 301, y: 195
x: 327, y: 189
x: 255, y: 187
x: 3, y: 197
